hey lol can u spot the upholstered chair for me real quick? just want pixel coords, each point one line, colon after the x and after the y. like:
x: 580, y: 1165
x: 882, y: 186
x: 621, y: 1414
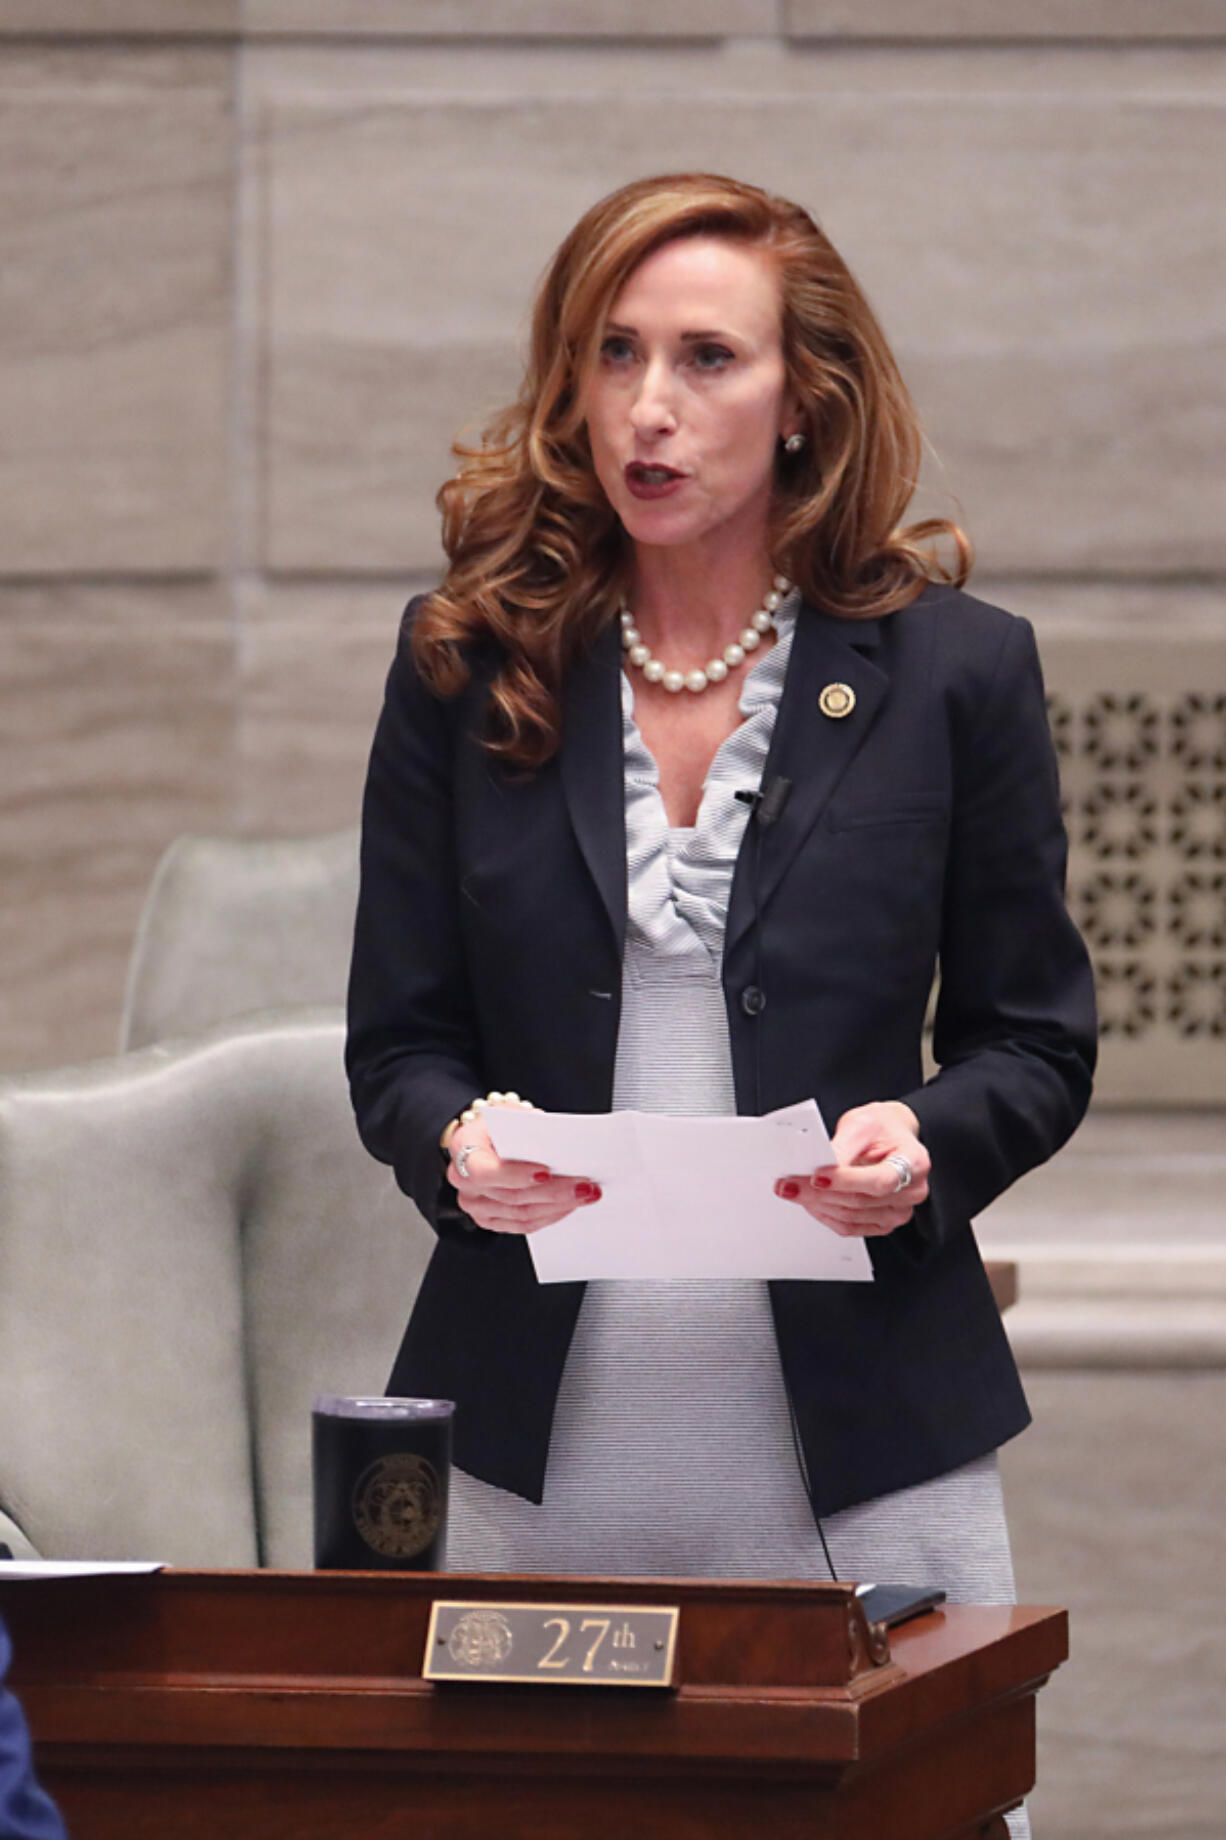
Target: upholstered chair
x: 234, y: 924
x: 192, y: 1243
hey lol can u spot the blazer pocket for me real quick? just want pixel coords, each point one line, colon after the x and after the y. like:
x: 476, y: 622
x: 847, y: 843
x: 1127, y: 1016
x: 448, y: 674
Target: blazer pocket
x: 929, y: 810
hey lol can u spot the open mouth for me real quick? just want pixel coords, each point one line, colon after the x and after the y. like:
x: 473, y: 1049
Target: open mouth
x: 651, y: 480
x: 640, y: 473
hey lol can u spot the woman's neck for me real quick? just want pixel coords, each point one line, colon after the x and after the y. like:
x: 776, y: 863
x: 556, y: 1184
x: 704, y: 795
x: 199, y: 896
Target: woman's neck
x: 692, y: 603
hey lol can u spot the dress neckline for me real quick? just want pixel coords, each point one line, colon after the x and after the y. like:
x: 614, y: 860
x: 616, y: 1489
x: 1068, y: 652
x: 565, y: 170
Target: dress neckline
x: 680, y: 876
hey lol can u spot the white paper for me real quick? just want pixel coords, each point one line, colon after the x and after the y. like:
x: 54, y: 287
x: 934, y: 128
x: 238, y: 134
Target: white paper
x: 75, y: 1568
x: 682, y: 1198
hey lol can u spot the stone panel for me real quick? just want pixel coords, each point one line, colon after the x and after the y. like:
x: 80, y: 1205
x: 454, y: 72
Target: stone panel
x: 1004, y: 19
x: 1114, y: 1507
x: 1047, y: 263
x: 114, y: 309
x: 115, y: 735
x: 314, y: 660
x: 1094, y: 1202
x: 512, y: 18
x: 362, y: 443
x: 99, y: 18
x: 1114, y: 1492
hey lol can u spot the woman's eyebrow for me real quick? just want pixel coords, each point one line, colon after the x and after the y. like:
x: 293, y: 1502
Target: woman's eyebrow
x: 632, y: 332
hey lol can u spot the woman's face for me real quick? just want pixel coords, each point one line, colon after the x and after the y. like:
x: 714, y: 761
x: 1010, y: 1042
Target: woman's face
x: 690, y: 396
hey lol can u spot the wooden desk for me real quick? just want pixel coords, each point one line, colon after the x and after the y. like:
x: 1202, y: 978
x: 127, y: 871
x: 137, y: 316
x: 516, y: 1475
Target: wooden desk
x: 290, y: 1706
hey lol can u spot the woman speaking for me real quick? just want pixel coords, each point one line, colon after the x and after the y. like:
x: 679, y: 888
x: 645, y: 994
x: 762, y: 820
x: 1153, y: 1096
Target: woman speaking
x: 691, y: 775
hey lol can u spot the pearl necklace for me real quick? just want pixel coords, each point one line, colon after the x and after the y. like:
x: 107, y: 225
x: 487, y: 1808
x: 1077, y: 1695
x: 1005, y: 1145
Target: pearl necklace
x: 715, y: 672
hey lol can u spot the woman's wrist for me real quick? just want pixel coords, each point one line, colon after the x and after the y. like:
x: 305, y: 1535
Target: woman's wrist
x: 911, y: 1121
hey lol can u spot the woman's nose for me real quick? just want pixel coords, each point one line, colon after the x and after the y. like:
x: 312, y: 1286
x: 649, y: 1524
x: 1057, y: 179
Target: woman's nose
x: 654, y: 410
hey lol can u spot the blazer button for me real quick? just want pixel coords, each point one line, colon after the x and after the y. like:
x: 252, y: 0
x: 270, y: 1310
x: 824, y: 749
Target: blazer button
x: 753, y: 1000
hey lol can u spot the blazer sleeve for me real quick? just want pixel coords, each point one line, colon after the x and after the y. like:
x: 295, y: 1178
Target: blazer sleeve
x: 413, y: 1053
x: 26, y: 1813
x: 1015, y: 1023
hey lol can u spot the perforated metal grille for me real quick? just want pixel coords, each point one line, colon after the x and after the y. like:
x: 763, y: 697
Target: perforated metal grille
x: 1140, y: 730
x: 1145, y: 788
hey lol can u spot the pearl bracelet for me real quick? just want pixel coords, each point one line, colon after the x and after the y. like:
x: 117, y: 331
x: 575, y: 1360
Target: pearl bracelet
x: 472, y: 1112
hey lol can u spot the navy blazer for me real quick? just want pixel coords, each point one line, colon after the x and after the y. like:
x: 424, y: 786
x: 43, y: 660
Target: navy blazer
x: 25, y: 1812
x: 922, y: 828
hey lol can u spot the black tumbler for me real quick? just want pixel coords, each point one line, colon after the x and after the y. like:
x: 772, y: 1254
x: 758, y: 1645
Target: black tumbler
x: 381, y: 1470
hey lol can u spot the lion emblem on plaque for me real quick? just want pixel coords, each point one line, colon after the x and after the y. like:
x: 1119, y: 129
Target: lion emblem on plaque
x: 480, y: 1638
x: 397, y: 1506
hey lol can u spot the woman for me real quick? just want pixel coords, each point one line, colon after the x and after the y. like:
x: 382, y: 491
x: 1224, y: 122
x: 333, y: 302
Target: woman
x: 648, y: 826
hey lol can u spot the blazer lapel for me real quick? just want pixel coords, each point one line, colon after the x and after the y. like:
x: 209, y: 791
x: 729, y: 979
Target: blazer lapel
x: 592, y: 771
x: 809, y: 747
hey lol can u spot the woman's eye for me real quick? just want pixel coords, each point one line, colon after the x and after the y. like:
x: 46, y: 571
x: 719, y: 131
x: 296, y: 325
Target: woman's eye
x: 711, y: 357
x: 616, y: 350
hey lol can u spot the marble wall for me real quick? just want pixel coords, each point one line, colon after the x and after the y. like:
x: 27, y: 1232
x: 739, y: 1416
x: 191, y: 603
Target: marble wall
x: 1114, y: 1492
x: 263, y: 258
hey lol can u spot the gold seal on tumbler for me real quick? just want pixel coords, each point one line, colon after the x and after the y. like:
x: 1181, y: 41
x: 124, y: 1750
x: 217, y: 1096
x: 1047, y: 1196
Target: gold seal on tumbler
x: 397, y: 1505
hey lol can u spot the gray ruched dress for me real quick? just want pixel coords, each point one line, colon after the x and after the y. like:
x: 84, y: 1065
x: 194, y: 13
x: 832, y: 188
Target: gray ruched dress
x: 672, y: 1450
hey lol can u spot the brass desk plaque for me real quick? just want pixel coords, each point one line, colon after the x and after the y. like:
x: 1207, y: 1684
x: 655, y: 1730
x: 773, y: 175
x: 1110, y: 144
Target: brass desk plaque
x: 569, y: 1645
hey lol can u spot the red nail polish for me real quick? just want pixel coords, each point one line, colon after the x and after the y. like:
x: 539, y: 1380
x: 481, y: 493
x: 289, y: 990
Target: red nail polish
x: 541, y: 1175
x: 821, y: 1181
x: 596, y: 1193
x: 584, y: 1191
x: 789, y: 1190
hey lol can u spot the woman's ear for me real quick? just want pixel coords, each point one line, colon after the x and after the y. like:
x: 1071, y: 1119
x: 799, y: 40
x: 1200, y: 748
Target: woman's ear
x: 792, y: 418
x: 793, y: 432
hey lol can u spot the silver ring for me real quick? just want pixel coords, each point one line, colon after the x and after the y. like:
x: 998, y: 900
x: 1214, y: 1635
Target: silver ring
x: 460, y: 1159
x: 906, y: 1175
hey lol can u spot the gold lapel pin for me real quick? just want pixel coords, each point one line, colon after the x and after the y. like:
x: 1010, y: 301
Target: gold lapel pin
x: 836, y: 701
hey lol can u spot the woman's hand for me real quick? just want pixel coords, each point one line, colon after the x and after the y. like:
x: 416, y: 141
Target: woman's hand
x: 510, y: 1197
x: 861, y: 1197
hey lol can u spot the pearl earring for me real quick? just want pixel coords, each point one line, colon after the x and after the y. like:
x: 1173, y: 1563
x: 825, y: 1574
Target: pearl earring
x: 794, y: 443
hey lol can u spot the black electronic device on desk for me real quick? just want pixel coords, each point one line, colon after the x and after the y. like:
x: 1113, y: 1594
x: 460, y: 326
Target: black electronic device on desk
x: 892, y: 1604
